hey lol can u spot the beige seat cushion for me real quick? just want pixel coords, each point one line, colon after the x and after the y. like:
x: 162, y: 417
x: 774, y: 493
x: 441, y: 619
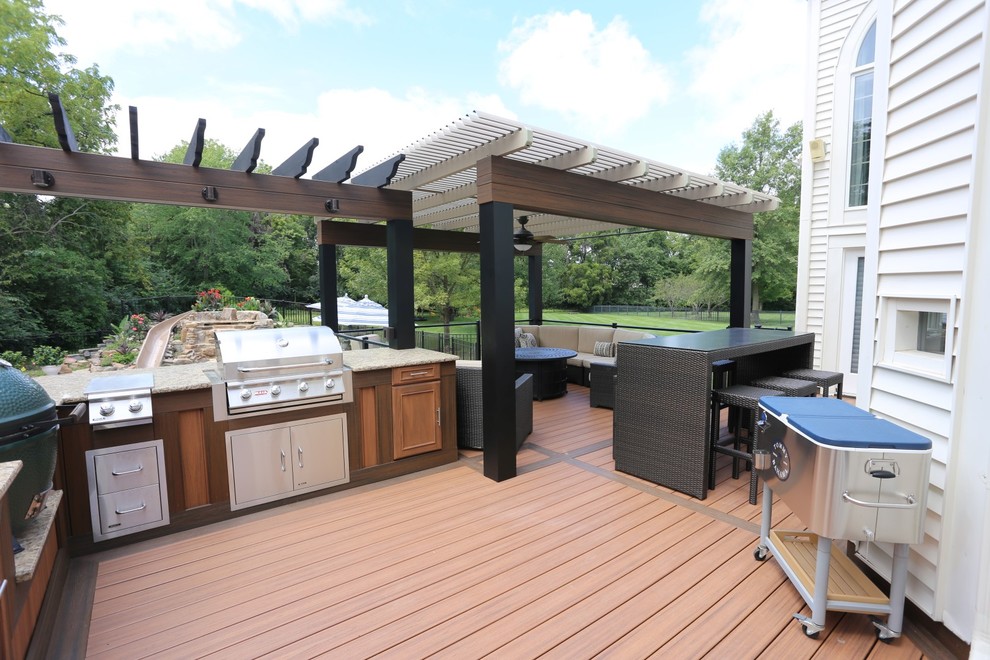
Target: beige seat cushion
x: 588, y: 335
x: 559, y: 336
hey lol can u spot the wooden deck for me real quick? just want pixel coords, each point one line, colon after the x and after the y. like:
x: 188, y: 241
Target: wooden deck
x: 568, y: 560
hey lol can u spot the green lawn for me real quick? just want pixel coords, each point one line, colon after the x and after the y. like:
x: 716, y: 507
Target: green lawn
x: 679, y: 321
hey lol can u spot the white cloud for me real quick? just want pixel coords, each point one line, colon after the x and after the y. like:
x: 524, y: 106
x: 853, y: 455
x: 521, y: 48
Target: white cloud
x: 96, y: 28
x: 753, y: 61
x: 380, y: 121
x: 601, y: 79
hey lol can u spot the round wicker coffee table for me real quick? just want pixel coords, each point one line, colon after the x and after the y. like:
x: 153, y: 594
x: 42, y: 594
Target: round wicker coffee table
x: 549, y: 369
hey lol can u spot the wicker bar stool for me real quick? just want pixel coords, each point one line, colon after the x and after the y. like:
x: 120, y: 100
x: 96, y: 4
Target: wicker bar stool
x: 724, y: 375
x: 746, y: 398
x: 789, y: 386
x: 824, y: 379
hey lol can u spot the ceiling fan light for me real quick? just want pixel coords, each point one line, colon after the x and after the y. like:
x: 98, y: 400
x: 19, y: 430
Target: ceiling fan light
x: 522, y: 247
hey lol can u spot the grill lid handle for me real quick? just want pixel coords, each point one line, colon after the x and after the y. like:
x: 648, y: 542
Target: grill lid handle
x: 34, y: 428
x: 307, y: 365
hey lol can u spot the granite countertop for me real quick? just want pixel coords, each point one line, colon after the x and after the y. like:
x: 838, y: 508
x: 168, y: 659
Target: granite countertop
x: 70, y: 388
x: 8, y: 471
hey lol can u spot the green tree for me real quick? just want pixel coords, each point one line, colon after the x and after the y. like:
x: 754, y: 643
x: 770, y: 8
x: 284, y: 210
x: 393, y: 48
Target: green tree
x: 768, y: 160
x: 32, y: 65
x: 446, y: 283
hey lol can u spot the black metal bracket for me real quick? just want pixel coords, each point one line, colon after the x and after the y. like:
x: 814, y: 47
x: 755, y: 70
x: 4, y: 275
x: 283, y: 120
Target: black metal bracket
x: 332, y: 205
x: 66, y: 138
x: 340, y: 170
x: 132, y: 113
x: 42, y: 178
x: 248, y: 158
x: 380, y: 175
x: 296, y: 164
x: 194, y: 154
x: 211, y: 194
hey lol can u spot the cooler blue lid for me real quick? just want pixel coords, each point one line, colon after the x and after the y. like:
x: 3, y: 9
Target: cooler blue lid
x: 810, y: 405
x: 858, y: 432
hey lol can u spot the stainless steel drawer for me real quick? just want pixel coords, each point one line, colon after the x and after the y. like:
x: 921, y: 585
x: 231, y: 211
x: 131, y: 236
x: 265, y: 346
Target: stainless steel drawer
x: 124, y: 470
x: 130, y: 508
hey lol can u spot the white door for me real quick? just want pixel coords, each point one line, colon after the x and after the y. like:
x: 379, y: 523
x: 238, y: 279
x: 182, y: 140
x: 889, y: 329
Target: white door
x: 851, y: 317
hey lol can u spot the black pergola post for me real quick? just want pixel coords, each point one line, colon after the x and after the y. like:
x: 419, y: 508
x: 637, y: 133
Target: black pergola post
x: 498, y: 371
x: 401, y: 302
x: 327, y: 257
x: 535, y: 289
x: 740, y: 283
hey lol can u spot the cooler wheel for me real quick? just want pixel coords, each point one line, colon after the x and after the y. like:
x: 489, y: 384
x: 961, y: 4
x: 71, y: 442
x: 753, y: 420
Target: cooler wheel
x: 760, y: 554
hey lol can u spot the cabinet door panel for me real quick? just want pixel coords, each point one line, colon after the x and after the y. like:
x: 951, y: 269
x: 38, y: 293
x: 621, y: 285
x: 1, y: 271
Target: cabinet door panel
x: 262, y: 464
x: 416, y: 419
x: 318, y: 455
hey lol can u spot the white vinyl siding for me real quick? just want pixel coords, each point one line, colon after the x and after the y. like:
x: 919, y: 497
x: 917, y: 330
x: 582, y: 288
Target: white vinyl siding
x: 924, y: 223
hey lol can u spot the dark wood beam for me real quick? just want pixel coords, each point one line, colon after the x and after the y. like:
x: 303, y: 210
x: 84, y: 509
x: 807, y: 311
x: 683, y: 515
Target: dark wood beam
x: 380, y: 175
x: 297, y: 164
x: 364, y: 235
x: 133, y: 120
x: 546, y: 190
x: 340, y: 170
x: 247, y: 160
x: 97, y: 176
x: 194, y: 153
x: 63, y: 128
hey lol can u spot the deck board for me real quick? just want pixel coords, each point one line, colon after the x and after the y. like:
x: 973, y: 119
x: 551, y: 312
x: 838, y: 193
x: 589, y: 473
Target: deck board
x: 570, y: 559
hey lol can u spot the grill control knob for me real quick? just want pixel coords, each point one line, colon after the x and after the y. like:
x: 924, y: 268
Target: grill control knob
x: 303, y: 386
x: 331, y: 383
x: 275, y: 390
x: 135, y: 406
x: 107, y: 409
x: 245, y: 394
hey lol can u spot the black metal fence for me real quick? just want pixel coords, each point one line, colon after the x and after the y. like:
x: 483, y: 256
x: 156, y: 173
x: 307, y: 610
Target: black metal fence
x: 782, y: 317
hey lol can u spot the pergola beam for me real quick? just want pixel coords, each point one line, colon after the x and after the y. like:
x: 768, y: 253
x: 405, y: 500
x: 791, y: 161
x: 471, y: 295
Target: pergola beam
x: 99, y: 176
x: 541, y: 189
x: 329, y: 232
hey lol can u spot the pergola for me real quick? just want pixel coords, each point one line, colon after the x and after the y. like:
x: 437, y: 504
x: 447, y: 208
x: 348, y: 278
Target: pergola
x: 459, y: 189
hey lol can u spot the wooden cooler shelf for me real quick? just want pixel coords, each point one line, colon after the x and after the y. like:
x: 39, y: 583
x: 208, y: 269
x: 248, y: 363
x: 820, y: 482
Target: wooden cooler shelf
x: 847, y: 584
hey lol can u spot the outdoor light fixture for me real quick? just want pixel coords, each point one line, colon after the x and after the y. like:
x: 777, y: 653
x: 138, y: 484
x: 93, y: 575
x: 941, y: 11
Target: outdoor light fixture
x: 523, y: 247
x: 522, y: 240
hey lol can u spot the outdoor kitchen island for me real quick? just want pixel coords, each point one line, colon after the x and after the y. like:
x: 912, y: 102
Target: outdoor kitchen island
x: 399, y: 418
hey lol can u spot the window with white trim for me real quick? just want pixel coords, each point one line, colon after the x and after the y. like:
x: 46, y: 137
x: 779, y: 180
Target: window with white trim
x: 862, y: 120
x: 918, y: 336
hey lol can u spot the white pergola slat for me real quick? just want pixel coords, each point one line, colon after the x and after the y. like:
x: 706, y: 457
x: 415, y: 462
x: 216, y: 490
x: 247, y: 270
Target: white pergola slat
x: 440, y: 172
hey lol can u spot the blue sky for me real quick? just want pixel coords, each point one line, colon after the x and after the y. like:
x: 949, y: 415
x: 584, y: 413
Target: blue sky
x: 670, y: 80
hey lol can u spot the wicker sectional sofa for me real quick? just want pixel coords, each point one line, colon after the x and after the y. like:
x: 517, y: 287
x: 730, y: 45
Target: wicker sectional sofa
x: 583, y: 340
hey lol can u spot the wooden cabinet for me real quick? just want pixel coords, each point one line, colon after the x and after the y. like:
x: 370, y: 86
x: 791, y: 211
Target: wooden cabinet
x: 416, y: 411
x: 272, y: 462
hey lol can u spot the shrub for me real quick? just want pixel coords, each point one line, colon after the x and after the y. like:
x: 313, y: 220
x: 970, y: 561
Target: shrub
x: 15, y: 358
x: 47, y: 355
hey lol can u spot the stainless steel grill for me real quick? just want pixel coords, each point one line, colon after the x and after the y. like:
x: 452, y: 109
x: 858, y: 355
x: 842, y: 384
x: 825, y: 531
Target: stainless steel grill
x: 275, y: 369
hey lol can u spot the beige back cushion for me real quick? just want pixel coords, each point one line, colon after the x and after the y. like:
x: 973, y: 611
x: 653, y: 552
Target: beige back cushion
x: 628, y: 335
x: 559, y: 336
x: 588, y: 335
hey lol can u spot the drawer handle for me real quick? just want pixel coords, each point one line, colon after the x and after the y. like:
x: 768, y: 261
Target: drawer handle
x: 418, y: 373
x: 135, y: 509
x: 123, y: 472
x: 911, y: 502
x: 282, y: 452
x: 299, y: 452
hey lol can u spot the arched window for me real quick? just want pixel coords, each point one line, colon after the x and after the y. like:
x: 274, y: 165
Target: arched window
x: 862, y: 113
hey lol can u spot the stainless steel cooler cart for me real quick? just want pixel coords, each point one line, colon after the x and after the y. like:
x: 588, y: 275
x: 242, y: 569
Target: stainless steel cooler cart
x: 847, y: 475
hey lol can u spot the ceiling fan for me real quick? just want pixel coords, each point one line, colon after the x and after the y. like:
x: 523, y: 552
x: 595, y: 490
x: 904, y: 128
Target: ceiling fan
x: 523, y: 240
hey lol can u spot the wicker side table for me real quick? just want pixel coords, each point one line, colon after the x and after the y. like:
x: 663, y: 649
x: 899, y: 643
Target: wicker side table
x: 602, y: 384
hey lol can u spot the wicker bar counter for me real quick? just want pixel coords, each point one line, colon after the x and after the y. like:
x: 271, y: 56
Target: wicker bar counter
x: 663, y: 390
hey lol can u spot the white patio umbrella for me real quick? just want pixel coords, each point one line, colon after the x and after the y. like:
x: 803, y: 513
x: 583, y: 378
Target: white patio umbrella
x: 362, y: 313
